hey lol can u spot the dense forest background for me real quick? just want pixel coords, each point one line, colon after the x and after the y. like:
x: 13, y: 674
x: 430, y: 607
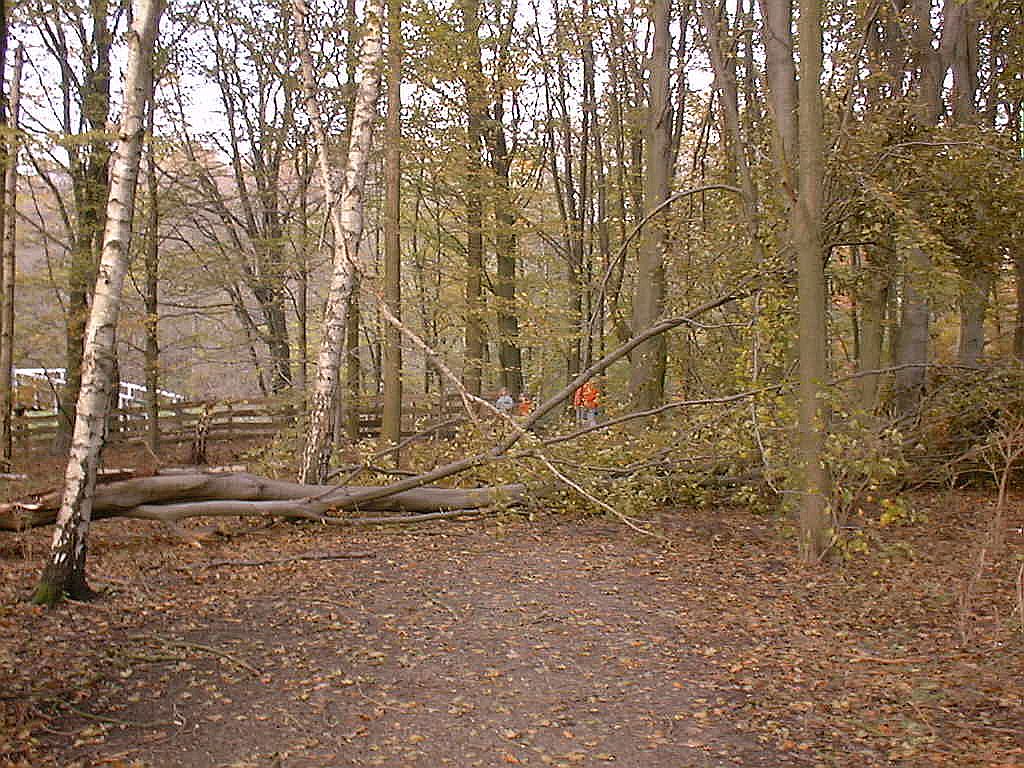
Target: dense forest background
x: 534, y: 119
x: 825, y: 198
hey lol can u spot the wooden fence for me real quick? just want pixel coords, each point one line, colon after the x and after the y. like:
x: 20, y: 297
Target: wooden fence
x: 230, y: 420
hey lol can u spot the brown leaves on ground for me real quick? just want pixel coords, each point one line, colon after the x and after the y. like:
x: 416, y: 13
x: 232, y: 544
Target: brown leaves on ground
x: 557, y: 642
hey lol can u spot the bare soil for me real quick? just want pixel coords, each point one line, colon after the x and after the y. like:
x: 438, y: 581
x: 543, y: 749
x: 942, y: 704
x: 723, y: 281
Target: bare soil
x: 556, y: 640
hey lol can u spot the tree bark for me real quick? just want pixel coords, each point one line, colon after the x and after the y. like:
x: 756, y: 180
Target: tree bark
x: 914, y: 336
x: 506, y: 218
x: 348, y: 412
x: 472, y: 375
x: 65, y: 570
x: 175, y: 497
x: 813, y: 412
x: 151, y: 362
x: 973, y: 306
x: 873, y: 298
x: 391, y: 417
x: 90, y: 166
x: 782, y: 93
x: 347, y: 224
x: 647, y: 375
x: 1018, y: 327
x: 9, y: 268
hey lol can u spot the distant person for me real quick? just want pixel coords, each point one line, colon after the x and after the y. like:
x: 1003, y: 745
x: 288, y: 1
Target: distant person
x: 525, y: 405
x: 587, y: 400
x: 504, y: 404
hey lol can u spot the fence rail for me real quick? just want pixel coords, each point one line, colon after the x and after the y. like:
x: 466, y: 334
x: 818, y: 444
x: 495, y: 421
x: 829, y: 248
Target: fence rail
x: 228, y: 420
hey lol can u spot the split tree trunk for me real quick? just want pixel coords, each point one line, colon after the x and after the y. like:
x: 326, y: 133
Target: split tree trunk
x: 916, y: 311
x: 347, y: 222
x: 65, y: 569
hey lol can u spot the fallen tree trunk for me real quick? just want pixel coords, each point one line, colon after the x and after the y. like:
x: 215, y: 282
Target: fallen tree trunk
x: 170, y: 498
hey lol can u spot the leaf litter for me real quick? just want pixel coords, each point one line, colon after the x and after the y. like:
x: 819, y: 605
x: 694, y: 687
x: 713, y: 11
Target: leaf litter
x: 561, y: 641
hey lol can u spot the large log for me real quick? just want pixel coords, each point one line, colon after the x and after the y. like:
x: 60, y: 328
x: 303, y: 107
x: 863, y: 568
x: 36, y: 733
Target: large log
x: 175, y: 497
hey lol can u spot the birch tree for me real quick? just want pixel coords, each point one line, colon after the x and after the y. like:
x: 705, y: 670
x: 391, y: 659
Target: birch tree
x: 64, y: 573
x: 346, y: 214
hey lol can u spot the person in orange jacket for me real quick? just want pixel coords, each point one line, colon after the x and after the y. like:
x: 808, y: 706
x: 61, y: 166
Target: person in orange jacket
x: 525, y: 405
x: 587, y: 399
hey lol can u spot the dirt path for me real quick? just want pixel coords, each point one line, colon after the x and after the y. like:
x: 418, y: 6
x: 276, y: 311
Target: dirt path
x: 557, y: 642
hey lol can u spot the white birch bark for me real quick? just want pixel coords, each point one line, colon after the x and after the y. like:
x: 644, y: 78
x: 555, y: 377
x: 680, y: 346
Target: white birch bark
x: 65, y: 569
x: 10, y: 249
x: 346, y: 220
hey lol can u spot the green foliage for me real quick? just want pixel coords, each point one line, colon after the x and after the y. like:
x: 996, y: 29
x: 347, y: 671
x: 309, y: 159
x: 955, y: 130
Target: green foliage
x: 865, y: 462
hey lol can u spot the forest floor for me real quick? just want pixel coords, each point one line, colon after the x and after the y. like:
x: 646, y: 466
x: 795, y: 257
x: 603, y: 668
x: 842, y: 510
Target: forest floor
x: 559, y: 640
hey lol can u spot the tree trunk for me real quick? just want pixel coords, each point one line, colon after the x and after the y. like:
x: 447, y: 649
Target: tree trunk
x: 178, y: 496
x: 391, y: 418
x: 873, y: 298
x: 90, y: 166
x: 782, y: 93
x: 65, y: 569
x: 472, y: 375
x: 1018, y: 328
x: 353, y: 364
x: 346, y: 221
x: 9, y: 253
x: 506, y: 250
x: 151, y: 299
x: 973, y: 305
x: 647, y: 376
x: 813, y: 412
x: 915, y: 315
x: 725, y: 83
x: 977, y: 279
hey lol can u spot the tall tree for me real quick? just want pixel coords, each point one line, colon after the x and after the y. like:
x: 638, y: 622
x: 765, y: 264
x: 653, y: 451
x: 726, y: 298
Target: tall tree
x: 473, y: 83
x: 647, y: 376
x: 9, y: 241
x: 347, y: 222
x: 151, y: 295
x: 813, y: 332
x: 79, y: 38
x: 391, y: 422
x: 64, y: 573
x: 250, y: 45
x: 913, y: 340
x: 506, y: 240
